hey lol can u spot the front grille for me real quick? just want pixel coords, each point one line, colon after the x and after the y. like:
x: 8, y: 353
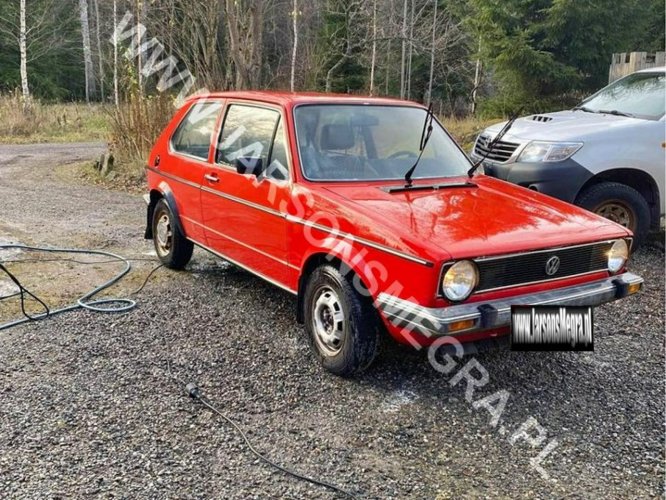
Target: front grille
x: 530, y: 267
x: 501, y: 152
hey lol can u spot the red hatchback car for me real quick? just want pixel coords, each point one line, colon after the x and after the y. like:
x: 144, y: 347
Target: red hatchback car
x: 310, y: 192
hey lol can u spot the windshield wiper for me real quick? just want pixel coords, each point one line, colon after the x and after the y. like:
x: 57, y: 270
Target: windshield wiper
x: 615, y: 112
x: 426, y: 187
x: 425, y: 137
x: 492, y: 144
x: 583, y: 108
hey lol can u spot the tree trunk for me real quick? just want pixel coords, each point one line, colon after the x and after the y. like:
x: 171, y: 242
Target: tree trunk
x: 411, y: 50
x: 139, y: 56
x: 432, y: 52
x: 477, y: 78
x: 245, y: 27
x: 87, y: 53
x: 116, y: 99
x: 404, y: 41
x: 374, y: 47
x: 295, y: 46
x: 25, y: 89
x: 100, y: 56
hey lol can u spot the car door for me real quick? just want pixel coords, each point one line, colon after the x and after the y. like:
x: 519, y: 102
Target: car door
x: 243, y: 213
x: 189, y: 159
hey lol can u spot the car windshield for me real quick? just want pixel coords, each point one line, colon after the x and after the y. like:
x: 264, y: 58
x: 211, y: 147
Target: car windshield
x: 372, y: 142
x: 640, y: 95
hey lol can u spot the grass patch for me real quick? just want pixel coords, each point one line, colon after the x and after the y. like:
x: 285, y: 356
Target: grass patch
x: 465, y: 130
x: 70, y: 122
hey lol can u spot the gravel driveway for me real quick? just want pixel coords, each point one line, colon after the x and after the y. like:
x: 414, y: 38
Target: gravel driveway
x: 87, y: 409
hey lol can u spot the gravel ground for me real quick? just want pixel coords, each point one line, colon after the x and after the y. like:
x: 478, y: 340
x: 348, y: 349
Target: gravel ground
x: 87, y: 408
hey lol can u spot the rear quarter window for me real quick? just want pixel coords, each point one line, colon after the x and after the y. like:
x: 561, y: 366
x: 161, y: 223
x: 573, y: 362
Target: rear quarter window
x: 194, y: 133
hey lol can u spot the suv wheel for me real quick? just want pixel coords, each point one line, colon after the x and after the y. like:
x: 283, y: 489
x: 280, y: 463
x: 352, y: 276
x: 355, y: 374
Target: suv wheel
x: 619, y: 203
x: 173, y: 249
x: 342, y: 324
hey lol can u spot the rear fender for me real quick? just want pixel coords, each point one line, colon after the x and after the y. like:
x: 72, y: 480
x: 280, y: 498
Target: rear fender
x: 163, y: 191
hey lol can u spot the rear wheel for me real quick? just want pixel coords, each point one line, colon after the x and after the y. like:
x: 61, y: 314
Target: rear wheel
x: 172, y: 248
x: 621, y: 204
x: 342, y: 323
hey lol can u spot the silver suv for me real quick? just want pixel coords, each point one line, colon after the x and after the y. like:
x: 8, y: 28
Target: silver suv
x: 606, y: 155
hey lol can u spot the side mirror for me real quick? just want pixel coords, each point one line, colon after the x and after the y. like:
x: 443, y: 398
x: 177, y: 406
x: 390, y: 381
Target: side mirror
x: 247, y: 165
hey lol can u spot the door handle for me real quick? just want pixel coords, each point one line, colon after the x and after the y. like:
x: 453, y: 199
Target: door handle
x: 212, y: 178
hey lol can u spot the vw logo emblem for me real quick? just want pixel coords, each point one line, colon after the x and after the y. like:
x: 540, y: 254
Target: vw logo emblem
x: 552, y: 265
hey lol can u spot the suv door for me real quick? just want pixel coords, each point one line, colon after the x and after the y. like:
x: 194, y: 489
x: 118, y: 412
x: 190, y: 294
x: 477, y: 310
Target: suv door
x: 189, y: 159
x: 244, y: 215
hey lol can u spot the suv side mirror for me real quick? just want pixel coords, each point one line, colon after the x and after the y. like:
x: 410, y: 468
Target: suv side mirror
x: 247, y: 165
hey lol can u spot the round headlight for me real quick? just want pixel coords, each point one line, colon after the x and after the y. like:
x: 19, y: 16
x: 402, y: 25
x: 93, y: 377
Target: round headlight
x: 617, y: 256
x: 459, y: 280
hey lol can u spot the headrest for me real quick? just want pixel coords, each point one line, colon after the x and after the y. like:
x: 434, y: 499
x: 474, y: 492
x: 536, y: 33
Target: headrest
x: 336, y: 136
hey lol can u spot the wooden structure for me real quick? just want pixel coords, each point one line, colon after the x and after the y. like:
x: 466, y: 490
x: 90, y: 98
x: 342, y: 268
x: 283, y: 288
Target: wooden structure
x: 625, y: 63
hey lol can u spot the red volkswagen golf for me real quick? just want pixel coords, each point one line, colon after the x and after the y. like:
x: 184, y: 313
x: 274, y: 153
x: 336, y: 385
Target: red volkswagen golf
x: 370, y: 213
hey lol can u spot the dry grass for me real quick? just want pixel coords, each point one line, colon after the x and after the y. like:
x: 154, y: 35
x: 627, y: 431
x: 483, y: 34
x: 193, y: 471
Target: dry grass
x: 465, y: 130
x: 71, y: 122
x: 137, y: 123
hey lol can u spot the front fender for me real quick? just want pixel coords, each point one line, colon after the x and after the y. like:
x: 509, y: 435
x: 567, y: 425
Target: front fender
x: 351, y: 259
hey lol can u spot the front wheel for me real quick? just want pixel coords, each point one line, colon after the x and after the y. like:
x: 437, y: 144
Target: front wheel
x: 621, y: 204
x: 173, y: 249
x: 342, y: 323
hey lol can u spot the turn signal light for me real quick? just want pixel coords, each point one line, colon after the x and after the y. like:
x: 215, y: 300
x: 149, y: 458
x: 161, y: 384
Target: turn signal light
x: 461, y: 325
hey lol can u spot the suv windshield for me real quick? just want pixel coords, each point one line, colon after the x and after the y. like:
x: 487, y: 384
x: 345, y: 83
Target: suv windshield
x: 372, y: 142
x: 640, y: 95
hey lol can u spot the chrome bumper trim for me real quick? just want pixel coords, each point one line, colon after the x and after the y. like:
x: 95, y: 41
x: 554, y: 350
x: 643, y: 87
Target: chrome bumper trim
x: 430, y: 321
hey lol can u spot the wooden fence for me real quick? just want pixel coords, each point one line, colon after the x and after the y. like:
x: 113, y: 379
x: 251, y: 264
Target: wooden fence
x: 627, y: 62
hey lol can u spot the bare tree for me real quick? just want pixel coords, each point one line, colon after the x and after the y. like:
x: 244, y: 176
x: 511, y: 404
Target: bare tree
x: 245, y: 26
x: 404, y: 41
x: 353, y: 34
x: 374, y: 47
x: 116, y: 98
x: 87, y: 52
x: 25, y: 88
x: 432, y: 51
x: 477, y: 78
x: 100, y: 52
x: 294, y: 15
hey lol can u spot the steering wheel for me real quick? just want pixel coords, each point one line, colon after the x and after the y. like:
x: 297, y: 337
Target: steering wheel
x: 403, y: 153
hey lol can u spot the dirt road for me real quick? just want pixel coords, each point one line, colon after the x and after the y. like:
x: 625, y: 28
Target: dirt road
x: 86, y: 408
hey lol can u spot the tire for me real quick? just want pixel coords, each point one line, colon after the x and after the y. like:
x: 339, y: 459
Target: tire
x: 346, y: 345
x: 619, y: 203
x: 172, y: 248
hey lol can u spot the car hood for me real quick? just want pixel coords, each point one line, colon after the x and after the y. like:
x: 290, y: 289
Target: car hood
x: 494, y: 217
x: 563, y: 126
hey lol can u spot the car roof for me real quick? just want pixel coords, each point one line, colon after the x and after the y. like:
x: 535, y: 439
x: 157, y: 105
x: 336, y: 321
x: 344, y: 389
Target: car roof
x: 294, y: 98
x: 660, y: 69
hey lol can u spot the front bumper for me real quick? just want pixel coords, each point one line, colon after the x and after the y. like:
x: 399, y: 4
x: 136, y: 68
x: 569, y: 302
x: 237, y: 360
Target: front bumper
x: 477, y: 316
x: 562, y: 179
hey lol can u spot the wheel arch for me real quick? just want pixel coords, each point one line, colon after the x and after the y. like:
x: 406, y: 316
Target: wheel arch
x: 358, y: 268
x: 162, y: 191
x: 635, y: 178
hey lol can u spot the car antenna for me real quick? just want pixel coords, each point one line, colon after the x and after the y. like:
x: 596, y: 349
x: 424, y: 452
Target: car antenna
x: 425, y: 137
x: 493, y: 143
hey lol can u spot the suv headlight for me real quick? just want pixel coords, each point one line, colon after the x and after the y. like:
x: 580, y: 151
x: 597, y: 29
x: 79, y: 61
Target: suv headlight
x: 549, y: 151
x: 459, y: 280
x: 617, y: 256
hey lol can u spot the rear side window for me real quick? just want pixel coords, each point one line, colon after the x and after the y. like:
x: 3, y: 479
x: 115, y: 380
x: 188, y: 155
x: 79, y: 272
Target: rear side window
x: 247, y: 133
x: 193, y: 135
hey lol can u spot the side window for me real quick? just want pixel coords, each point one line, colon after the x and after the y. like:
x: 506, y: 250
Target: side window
x: 247, y: 133
x: 193, y: 135
x: 278, y: 167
